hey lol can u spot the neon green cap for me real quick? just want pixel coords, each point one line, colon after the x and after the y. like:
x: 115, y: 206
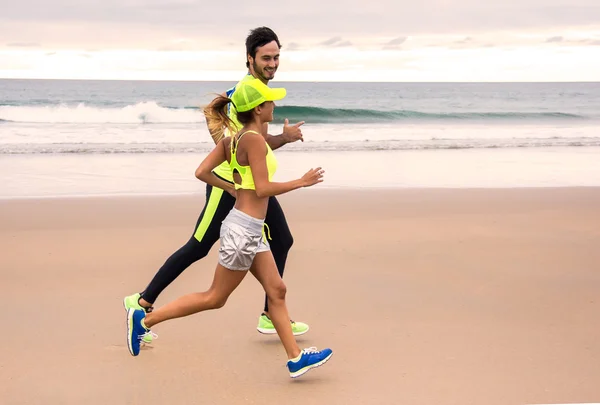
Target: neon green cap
x: 252, y: 93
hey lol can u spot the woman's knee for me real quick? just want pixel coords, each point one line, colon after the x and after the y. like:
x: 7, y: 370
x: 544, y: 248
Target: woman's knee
x: 278, y: 291
x: 216, y: 300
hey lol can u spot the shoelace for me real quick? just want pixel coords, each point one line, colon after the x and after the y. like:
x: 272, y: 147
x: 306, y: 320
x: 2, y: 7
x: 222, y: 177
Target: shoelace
x: 291, y: 320
x: 310, y: 350
x: 154, y: 335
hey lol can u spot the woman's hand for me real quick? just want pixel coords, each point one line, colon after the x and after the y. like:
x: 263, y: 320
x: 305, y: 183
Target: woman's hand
x: 312, y: 177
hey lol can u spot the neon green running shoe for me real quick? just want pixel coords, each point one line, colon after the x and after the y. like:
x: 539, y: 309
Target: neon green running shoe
x: 266, y: 326
x: 132, y: 301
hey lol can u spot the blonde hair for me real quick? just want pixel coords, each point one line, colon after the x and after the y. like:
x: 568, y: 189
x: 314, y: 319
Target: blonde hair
x: 217, y: 118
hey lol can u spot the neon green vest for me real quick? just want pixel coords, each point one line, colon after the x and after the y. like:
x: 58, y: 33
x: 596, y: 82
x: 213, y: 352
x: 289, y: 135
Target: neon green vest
x: 224, y: 170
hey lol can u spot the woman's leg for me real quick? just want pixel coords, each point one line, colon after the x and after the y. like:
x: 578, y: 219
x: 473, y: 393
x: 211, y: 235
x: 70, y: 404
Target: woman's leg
x: 218, y: 203
x: 224, y: 282
x: 265, y: 271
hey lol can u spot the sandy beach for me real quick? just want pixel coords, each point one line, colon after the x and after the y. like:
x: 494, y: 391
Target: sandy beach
x: 426, y: 296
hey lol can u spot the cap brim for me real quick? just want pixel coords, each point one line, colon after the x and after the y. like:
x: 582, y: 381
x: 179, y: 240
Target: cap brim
x: 275, y: 94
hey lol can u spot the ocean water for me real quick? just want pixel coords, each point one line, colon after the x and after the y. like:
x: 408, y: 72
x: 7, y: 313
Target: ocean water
x: 520, y: 134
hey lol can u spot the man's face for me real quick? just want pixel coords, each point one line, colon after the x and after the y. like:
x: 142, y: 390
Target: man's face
x: 266, y: 62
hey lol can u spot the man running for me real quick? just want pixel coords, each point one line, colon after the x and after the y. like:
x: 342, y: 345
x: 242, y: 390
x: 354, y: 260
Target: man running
x: 262, y: 61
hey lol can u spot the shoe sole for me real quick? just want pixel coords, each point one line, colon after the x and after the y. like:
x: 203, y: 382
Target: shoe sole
x: 274, y: 332
x: 308, y: 368
x: 129, y: 330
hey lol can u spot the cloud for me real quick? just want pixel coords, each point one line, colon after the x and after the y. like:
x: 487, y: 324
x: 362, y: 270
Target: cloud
x: 336, y: 42
x: 24, y: 45
x: 586, y: 41
x: 151, y: 25
x: 464, y: 40
x: 394, y: 44
x: 397, y: 41
x: 554, y: 39
x: 331, y: 41
x: 69, y: 22
x: 170, y: 48
x: 293, y: 46
x: 181, y: 44
x: 530, y: 62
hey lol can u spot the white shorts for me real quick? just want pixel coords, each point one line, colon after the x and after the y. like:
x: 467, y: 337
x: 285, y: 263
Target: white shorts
x: 241, y: 239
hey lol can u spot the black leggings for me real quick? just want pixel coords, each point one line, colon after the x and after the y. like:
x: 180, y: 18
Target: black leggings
x: 207, y: 232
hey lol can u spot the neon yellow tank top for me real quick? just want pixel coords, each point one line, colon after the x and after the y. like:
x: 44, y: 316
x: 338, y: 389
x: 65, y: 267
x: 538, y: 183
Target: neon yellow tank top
x: 223, y: 170
x: 245, y: 171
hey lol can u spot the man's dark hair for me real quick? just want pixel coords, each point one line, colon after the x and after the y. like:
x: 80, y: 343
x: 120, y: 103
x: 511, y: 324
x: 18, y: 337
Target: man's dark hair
x: 259, y: 37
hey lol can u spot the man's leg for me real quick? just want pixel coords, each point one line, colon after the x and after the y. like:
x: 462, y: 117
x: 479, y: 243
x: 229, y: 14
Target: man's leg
x: 281, y: 237
x: 281, y: 242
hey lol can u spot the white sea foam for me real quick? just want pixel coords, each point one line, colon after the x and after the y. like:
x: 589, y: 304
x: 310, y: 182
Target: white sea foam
x: 140, y: 113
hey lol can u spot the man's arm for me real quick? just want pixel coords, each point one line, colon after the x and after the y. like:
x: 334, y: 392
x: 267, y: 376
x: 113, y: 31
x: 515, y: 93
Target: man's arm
x: 291, y: 133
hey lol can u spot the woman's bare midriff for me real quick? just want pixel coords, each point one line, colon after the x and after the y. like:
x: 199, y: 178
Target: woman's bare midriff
x: 249, y: 203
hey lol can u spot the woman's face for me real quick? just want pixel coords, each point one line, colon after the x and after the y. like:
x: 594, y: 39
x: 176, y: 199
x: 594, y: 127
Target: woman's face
x: 267, y: 111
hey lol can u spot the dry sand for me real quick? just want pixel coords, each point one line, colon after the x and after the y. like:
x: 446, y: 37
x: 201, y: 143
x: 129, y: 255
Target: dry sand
x: 425, y: 296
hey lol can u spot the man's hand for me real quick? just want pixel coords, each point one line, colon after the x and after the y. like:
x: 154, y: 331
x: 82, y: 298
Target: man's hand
x: 292, y: 133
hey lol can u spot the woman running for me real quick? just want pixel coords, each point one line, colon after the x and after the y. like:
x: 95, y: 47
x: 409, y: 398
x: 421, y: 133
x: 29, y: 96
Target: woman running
x: 243, y: 240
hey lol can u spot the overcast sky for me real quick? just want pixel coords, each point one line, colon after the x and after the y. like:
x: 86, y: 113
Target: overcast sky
x: 437, y: 40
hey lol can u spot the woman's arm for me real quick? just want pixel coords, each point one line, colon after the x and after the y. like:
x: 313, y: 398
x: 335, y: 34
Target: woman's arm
x: 257, y: 152
x: 214, y: 159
